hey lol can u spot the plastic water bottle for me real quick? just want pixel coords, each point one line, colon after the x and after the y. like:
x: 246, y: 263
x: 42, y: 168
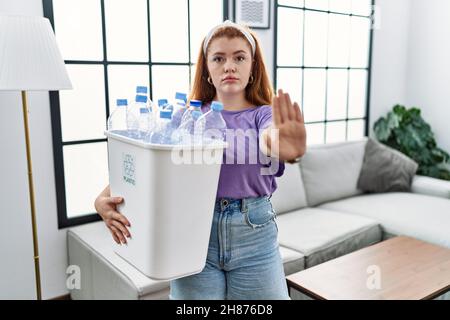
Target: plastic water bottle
x: 179, y: 109
x: 163, y: 132
x: 133, y: 115
x: 186, y: 130
x: 143, y: 91
x: 211, y: 126
x: 145, y: 122
x: 117, y: 121
x: 162, y: 104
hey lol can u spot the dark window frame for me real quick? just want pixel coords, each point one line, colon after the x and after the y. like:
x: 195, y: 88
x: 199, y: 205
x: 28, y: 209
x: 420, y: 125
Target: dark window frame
x: 326, y: 68
x: 55, y: 111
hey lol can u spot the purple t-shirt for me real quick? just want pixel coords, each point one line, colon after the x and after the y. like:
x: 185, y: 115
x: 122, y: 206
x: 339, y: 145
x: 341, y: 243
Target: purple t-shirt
x: 246, y: 171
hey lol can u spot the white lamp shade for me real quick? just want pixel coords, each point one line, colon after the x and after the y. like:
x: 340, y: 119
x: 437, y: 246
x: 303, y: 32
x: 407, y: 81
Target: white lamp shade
x: 29, y: 56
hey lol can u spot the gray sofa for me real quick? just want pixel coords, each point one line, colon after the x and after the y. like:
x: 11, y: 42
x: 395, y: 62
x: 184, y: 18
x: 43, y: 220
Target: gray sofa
x: 321, y: 215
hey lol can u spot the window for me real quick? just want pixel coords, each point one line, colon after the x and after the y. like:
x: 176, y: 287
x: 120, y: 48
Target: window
x: 109, y: 47
x: 322, y: 59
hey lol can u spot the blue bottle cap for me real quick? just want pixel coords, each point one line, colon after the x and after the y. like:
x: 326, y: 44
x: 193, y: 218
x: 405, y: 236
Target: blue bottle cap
x: 141, y: 89
x: 143, y: 110
x: 141, y: 98
x: 165, y: 114
x: 217, y: 106
x: 181, y: 96
x: 121, y: 102
x: 195, y: 103
x: 162, y: 102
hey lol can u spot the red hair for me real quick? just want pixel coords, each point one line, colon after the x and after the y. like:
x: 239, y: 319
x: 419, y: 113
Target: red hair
x: 259, y: 92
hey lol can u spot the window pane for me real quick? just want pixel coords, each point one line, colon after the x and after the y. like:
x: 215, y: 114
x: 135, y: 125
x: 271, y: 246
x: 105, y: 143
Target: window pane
x: 78, y: 29
x: 361, y: 7
x: 169, y: 79
x: 355, y: 130
x: 343, y: 6
x: 339, y: 41
x: 122, y: 82
x: 360, y: 35
x: 317, y: 4
x: 290, y: 37
x: 290, y: 80
x: 335, y: 131
x: 314, y: 95
x: 316, y: 33
x: 126, y: 30
x: 86, y: 174
x: 337, y: 94
x: 193, y: 70
x: 83, y: 114
x: 315, y: 133
x: 169, y: 30
x: 292, y: 3
x: 357, y: 94
x: 201, y: 23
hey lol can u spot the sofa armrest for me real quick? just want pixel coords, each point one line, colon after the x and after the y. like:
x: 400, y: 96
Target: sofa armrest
x: 431, y: 186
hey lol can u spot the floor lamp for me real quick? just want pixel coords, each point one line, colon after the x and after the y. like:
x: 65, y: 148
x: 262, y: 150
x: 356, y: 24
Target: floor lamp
x: 30, y: 60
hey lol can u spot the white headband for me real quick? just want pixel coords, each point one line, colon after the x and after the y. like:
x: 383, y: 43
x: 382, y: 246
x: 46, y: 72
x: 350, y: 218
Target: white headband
x: 228, y: 23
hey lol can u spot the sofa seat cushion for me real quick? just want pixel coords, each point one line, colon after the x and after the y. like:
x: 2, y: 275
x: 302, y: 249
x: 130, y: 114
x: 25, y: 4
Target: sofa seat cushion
x: 293, y: 261
x: 322, y: 235
x: 105, y: 275
x: 402, y: 213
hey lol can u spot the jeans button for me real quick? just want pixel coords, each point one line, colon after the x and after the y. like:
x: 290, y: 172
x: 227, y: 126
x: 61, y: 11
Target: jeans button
x: 224, y: 203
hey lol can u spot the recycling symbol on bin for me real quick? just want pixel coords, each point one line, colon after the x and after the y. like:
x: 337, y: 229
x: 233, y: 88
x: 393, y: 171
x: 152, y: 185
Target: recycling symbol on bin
x: 129, y: 168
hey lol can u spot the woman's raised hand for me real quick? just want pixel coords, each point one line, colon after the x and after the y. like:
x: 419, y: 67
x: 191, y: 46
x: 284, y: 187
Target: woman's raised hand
x: 288, y: 119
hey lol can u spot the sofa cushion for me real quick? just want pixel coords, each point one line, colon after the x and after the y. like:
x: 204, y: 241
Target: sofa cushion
x: 322, y: 234
x: 385, y: 169
x: 290, y: 194
x: 330, y: 172
x: 293, y: 261
x: 402, y: 213
x: 105, y: 275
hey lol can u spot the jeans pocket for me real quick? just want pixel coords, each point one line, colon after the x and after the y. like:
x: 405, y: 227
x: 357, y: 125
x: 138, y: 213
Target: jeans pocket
x: 259, y: 217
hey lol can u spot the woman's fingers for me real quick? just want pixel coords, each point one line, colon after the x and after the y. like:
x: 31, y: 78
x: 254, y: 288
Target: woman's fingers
x: 120, y: 217
x: 115, y: 237
x: 289, y: 107
x: 121, y: 227
x: 298, y: 113
x: 282, y: 106
x: 118, y: 234
x: 276, y: 111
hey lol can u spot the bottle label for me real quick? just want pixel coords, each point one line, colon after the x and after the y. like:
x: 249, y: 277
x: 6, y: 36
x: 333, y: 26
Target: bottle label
x: 129, y: 169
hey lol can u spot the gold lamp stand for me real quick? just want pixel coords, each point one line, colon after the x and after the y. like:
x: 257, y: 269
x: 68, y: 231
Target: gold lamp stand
x: 31, y: 191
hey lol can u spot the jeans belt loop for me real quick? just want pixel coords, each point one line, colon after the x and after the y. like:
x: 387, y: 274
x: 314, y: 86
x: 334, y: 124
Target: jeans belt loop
x: 244, y: 205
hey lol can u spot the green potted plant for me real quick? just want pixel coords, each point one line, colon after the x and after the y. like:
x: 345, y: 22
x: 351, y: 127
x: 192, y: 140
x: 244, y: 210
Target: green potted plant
x: 405, y: 130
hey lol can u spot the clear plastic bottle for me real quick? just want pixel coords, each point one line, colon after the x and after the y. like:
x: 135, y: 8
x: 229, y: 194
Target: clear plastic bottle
x: 179, y: 109
x: 145, y: 122
x: 133, y: 115
x: 211, y: 126
x: 186, y: 130
x: 162, y: 103
x: 163, y: 132
x: 117, y: 121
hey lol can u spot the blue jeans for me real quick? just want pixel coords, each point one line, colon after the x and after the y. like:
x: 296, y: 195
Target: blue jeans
x: 243, y: 261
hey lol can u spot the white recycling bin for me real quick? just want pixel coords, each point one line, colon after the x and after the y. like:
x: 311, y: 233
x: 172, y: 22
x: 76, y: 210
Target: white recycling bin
x: 169, y: 194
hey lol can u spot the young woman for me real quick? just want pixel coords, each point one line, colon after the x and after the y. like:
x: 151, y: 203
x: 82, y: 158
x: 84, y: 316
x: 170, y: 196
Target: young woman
x: 243, y: 260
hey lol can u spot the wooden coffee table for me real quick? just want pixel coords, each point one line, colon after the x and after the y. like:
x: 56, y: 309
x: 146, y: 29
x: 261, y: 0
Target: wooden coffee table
x: 396, y: 269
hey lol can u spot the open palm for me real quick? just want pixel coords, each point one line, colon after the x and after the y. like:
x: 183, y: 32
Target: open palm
x: 288, y: 119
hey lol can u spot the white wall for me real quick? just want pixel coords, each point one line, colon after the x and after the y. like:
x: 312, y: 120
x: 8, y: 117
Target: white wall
x: 428, y: 76
x: 17, y: 267
x: 411, y: 64
x: 389, y: 58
